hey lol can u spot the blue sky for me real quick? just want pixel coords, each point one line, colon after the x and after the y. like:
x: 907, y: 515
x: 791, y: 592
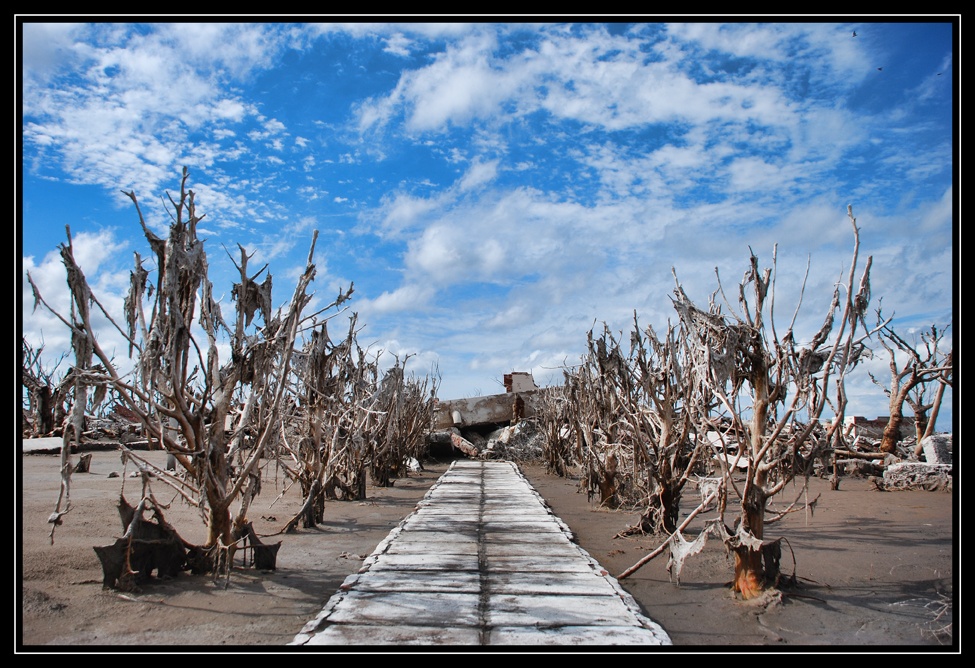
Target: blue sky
x: 495, y: 190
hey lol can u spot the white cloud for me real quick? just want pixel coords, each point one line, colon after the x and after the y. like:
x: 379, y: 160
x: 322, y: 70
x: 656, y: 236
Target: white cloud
x: 138, y: 96
x: 311, y: 193
x: 238, y: 48
x: 750, y: 173
x: 274, y: 126
x: 101, y: 258
x: 47, y: 47
x: 478, y: 174
x: 402, y: 211
x: 461, y: 84
x: 398, y: 45
x: 523, y: 181
x: 409, y: 297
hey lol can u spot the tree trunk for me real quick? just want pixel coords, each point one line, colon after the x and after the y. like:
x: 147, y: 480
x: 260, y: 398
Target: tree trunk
x: 750, y: 573
x: 606, y: 481
x: 749, y: 568
x: 670, y: 495
x: 892, y: 430
x: 661, y: 515
x: 361, y: 484
x: 43, y: 411
x: 313, y: 511
x: 920, y: 427
x: 935, y: 409
x: 220, y: 529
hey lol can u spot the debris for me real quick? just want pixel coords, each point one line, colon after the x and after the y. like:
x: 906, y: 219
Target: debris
x: 917, y: 475
x: 523, y: 441
x: 463, y: 444
x: 937, y: 449
x: 84, y: 463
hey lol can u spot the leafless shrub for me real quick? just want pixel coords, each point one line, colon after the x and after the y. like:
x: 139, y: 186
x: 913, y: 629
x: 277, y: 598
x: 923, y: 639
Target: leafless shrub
x: 723, y: 394
x: 181, y: 391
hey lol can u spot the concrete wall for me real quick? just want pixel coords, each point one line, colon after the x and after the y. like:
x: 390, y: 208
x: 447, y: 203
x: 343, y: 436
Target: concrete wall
x: 519, y: 381
x: 486, y: 410
x: 857, y: 425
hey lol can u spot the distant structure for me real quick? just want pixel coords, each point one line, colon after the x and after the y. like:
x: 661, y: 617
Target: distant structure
x: 492, y: 409
x: 858, y: 428
x: 519, y: 381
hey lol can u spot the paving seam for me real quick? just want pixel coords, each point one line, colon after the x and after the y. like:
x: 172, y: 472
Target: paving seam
x: 484, y: 598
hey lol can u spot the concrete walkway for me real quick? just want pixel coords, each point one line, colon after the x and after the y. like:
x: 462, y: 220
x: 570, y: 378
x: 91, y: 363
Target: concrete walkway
x: 481, y: 561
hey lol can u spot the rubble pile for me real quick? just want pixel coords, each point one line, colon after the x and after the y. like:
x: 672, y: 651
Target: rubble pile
x: 520, y: 442
x: 933, y: 474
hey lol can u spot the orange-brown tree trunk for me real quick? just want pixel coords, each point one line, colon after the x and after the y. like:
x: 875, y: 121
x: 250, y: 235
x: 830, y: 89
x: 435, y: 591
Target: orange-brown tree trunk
x: 750, y: 576
x: 749, y: 567
x: 749, y: 572
x: 892, y: 430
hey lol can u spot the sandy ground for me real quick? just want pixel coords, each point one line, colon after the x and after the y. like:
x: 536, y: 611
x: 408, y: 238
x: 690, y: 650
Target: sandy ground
x: 873, y: 570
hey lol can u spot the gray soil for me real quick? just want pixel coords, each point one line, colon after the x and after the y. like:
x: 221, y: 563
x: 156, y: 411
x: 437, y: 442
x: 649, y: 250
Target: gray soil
x: 873, y: 570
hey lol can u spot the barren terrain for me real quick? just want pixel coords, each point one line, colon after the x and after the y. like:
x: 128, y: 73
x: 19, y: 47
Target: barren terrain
x: 874, y: 570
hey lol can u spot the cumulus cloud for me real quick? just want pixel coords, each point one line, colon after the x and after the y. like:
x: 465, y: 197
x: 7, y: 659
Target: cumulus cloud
x: 138, y: 97
x: 101, y: 257
x: 478, y: 174
x: 513, y: 184
x: 398, y: 44
x: 409, y: 297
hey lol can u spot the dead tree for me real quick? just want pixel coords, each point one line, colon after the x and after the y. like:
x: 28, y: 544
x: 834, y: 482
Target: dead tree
x: 46, y: 402
x: 555, y: 413
x: 603, y: 446
x: 399, y: 416
x: 350, y: 423
x: 180, y: 390
x: 84, y: 346
x: 926, y: 412
x: 773, y: 392
x: 327, y: 377
x: 347, y: 452
x: 631, y: 417
x: 660, y: 404
x: 925, y: 364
